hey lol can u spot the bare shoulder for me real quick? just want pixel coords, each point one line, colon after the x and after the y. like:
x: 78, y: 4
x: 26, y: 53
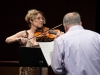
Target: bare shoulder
x: 21, y: 33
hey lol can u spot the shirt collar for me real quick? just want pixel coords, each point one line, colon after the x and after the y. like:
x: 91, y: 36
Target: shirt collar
x: 75, y: 27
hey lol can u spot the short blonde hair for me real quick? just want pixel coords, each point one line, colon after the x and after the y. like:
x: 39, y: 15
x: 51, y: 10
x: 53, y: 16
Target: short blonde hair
x: 31, y: 15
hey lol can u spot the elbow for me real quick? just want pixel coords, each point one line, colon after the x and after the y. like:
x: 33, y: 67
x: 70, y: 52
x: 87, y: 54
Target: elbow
x: 7, y: 40
x: 57, y: 70
x: 54, y: 69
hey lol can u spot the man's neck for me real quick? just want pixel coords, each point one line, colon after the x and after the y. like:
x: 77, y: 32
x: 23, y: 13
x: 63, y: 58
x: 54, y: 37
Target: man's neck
x: 69, y: 26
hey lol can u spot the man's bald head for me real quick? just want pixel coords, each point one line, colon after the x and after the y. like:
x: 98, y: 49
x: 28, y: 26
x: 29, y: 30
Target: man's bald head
x: 72, y: 18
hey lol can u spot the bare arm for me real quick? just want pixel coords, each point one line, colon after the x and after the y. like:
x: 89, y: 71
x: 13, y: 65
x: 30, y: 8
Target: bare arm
x: 15, y: 37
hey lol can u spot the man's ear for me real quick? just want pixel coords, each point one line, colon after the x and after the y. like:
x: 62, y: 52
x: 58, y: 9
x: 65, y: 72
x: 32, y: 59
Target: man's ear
x: 81, y: 23
x: 65, y: 27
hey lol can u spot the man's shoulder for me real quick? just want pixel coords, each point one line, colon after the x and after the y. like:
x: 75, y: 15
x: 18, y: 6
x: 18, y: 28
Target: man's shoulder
x: 92, y: 32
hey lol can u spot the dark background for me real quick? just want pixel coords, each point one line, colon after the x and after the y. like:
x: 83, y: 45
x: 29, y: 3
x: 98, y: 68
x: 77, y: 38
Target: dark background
x: 13, y: 12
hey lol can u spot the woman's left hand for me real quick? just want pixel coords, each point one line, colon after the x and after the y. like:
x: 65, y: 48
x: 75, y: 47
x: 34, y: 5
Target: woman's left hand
x: 59, y: 34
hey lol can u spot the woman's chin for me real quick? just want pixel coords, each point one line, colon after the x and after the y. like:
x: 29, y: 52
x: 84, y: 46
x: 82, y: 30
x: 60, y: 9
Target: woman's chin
x: 40, y: 26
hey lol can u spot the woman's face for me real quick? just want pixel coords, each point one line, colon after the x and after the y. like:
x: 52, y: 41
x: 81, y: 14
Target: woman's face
x: 38, y: 21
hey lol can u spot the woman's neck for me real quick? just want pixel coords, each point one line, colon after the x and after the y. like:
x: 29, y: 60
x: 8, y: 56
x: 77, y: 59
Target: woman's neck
x: 33, y: 29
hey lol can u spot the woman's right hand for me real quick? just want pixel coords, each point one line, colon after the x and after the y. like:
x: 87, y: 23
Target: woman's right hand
x: 22, y: 40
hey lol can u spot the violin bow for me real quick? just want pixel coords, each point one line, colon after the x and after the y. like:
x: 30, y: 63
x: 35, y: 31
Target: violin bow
x: 56, y: 26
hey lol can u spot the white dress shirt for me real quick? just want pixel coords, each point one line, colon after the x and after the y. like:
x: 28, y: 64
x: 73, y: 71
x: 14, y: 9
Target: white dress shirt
x: 77, y: 52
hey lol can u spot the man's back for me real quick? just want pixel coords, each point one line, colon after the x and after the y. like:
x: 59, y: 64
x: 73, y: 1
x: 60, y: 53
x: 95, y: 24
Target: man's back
x: 81, y: 50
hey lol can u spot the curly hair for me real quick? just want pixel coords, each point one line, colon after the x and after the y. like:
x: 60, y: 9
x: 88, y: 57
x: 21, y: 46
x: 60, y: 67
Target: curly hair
x: 31, y: 15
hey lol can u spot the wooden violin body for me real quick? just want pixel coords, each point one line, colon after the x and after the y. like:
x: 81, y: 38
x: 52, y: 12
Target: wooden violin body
x: 45, y: 35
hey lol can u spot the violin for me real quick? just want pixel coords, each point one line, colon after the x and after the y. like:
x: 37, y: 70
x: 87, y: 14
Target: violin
x: 45, y: 34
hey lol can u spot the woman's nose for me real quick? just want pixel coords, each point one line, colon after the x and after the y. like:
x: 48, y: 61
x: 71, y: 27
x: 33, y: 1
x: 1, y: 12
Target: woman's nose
x: 41, y: 19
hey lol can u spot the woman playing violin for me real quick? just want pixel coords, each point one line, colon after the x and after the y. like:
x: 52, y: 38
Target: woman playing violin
x: 35, y: 20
